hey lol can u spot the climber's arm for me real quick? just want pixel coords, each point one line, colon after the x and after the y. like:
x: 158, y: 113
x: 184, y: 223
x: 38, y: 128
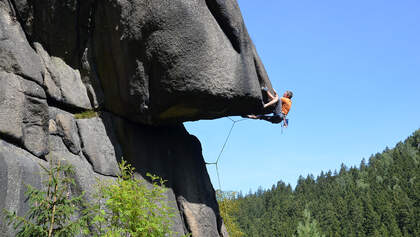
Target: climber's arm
x: 271, y: 96
x: 274, y: 100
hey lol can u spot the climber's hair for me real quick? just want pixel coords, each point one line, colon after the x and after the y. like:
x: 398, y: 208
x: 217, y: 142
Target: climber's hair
x: 289, y: 94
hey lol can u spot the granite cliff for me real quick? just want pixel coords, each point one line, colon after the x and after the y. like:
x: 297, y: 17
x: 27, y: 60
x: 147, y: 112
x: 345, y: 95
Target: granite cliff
x: 145, y: 66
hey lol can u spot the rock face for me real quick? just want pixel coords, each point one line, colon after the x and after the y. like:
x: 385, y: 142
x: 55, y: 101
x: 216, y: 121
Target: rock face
x: 17, y: 168
x: 23, y: 105
x: 174, y: 57
x: 99, y: 145
x: 63, y: 84
x: 145, y: 66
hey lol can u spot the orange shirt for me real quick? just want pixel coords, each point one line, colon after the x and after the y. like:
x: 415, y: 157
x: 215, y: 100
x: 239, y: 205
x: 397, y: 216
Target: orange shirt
x: 286, y: 104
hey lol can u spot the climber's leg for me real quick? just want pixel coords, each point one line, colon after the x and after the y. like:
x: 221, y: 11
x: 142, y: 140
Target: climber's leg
x: 272, y: 118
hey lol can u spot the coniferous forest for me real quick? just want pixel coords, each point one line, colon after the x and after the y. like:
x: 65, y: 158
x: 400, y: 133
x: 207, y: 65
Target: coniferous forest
x: 380, y: 198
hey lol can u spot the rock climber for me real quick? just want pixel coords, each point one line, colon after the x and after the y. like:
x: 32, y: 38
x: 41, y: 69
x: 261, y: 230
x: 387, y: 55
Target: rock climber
x: 281, y: 107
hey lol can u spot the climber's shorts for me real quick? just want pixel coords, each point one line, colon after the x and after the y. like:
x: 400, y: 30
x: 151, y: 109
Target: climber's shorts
x: 275, y: 118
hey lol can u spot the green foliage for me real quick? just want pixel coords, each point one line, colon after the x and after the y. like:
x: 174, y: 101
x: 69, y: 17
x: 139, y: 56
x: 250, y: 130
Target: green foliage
x: 228, y: 210
x: 308, y: 228
x: 131, y: 207
x: 52, y: 212
x: 379, y: 198
x: 86, y: 114
x: 127, y: 206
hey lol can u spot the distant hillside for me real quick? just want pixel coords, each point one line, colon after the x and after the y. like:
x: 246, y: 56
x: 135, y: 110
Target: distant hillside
x: 380, y: 198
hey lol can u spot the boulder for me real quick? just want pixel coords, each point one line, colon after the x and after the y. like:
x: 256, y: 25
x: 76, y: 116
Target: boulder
x: 99, y: 144
x: 67, y: 129
x: 158, y: 62
x: 16, y: 55
x: 35, y: 126
x: 23, y: 113
x: 63, y: 83
x: 176, y: 60
x: 12, y: 103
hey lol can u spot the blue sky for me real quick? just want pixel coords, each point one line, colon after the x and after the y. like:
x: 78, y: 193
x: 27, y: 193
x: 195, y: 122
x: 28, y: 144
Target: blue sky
x: 354, y: 68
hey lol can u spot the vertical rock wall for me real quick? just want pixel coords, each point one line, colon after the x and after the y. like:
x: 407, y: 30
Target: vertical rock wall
x: 144, y: 66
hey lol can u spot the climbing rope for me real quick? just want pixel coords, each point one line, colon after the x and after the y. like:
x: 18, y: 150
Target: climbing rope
x: 223, y: 148
x: 216, y: 163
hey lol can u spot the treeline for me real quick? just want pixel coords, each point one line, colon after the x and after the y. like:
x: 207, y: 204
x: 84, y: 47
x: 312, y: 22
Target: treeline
x: 379, y: 198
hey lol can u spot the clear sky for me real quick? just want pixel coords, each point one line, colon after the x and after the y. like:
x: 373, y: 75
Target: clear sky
x: 354, y: 68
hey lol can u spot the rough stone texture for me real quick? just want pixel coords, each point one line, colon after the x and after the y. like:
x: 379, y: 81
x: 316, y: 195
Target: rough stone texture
x: 155, y: 62
x: 23, y: 106
x: 63, y: 126
x: 90, y: 78
x: 12, y: 102
x: 35, y: 126
x: 99, y: 144
x: 52, y: 127
x: 86, y: 179
x: 173, y: 154
x: 68, y: 131
x: 201, y: 220
x: 23, y: 113
x: 158, y: 61
x: 165, y: 60
x: 63, y: 84
x: 17, y: 169
x: 61, y: 26
x: 16, y: 55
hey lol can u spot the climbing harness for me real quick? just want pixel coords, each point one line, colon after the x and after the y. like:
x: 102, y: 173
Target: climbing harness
x: 223, y: 148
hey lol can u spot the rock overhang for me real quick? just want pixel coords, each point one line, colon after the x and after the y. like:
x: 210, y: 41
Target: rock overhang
x: 192, y: 60
x: 156, y: 61
x: 189, y: 60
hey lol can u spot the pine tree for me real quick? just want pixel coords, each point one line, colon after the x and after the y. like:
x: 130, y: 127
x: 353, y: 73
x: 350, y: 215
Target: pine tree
x: 309, y: 228
x: 52, y: 212
x: 381, y: 197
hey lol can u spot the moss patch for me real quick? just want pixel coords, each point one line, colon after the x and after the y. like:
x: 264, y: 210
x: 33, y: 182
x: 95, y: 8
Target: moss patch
x: 86, y: 114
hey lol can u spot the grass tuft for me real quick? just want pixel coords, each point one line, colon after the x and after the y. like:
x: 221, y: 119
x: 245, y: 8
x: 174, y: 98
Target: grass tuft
x: 86, y: 114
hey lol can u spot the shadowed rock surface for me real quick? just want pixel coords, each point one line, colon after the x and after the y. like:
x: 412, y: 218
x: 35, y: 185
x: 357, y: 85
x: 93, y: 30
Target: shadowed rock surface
x: 145, y: 66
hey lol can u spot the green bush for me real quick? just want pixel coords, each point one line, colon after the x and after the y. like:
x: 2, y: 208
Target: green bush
x: 127, y: 206
x: 229, y: 211
x: 131, y: 208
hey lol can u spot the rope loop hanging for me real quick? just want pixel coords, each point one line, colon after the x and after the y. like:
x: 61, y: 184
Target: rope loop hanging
x: 223, y: 148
